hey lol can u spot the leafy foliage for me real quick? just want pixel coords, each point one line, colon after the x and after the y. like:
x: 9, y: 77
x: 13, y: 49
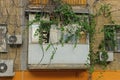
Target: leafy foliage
x: 67, y: 22
x: 64, y: 16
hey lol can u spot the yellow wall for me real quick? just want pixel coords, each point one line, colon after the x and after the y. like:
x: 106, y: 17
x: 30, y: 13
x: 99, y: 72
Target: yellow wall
x: 49, y: 75
x: 64, y: 75
x: 106, y: 75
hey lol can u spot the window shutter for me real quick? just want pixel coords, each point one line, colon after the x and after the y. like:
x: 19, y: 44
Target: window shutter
x: 75, y: 2
x: 71, y: 2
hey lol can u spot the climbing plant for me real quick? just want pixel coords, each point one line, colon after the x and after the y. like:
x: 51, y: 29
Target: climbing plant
x: 64, y: 17
x: 103, y: 11
x: 67, y: 20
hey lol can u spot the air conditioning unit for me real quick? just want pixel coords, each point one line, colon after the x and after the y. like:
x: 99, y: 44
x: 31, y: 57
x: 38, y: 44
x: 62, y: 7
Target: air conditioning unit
x: 109, y: 54
x: 15, y: 39
x: 6, y: 68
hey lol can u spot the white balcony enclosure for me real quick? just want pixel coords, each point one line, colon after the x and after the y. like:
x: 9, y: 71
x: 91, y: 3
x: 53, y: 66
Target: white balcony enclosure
x: 65, y: 57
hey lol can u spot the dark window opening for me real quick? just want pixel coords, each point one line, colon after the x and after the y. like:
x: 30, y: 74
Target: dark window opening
x: 112, y: 37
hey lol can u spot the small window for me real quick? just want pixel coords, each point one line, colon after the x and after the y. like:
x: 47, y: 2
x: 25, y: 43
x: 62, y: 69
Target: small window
x: 118, y: 40
x: 34, y: 35
x: 35, y: 38
x: 3, y: 46
x: 112, y: 37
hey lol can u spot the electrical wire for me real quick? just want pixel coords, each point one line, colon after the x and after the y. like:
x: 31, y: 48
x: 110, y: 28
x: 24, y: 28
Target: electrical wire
x: 43, y: 9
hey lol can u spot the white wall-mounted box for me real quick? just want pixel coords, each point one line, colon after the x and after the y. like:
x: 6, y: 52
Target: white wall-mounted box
x: 6, y: 68
x: 14, y: 39
x: 110, y: 56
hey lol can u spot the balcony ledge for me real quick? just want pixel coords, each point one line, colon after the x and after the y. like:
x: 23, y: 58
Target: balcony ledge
x: 57, y: 66
x: 76, y: 9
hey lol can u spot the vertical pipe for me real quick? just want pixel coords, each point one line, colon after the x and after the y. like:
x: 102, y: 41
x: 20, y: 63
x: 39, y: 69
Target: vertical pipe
x: 23, y: 56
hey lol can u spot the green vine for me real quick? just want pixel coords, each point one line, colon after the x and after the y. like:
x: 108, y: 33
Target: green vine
x: 105, y: 11
x: 67, y: 22
x: 64, y: 16
x: 94, y: 56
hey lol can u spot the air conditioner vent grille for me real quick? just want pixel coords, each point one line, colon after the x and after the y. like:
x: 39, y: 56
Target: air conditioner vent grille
x: 3, y: 67
x: 6, y: 68
x: 14, y: 39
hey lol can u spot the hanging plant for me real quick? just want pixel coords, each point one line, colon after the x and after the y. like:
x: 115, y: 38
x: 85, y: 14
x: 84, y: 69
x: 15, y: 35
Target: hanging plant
x: 71, y: 25
x: 67, y: 23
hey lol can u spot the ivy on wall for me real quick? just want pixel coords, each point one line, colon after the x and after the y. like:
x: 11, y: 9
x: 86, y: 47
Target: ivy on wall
x: 63, y: 16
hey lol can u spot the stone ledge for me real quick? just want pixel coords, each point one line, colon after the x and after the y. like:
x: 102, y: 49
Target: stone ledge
x: 57, y: 66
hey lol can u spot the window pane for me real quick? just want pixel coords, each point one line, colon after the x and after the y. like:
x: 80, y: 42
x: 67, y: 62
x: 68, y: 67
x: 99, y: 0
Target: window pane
x: 109, y: 36
x: 118, y: 40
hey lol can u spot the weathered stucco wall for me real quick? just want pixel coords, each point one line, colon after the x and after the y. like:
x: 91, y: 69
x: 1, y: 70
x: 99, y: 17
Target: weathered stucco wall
x: 101, y: 21
x: 10, y: 14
